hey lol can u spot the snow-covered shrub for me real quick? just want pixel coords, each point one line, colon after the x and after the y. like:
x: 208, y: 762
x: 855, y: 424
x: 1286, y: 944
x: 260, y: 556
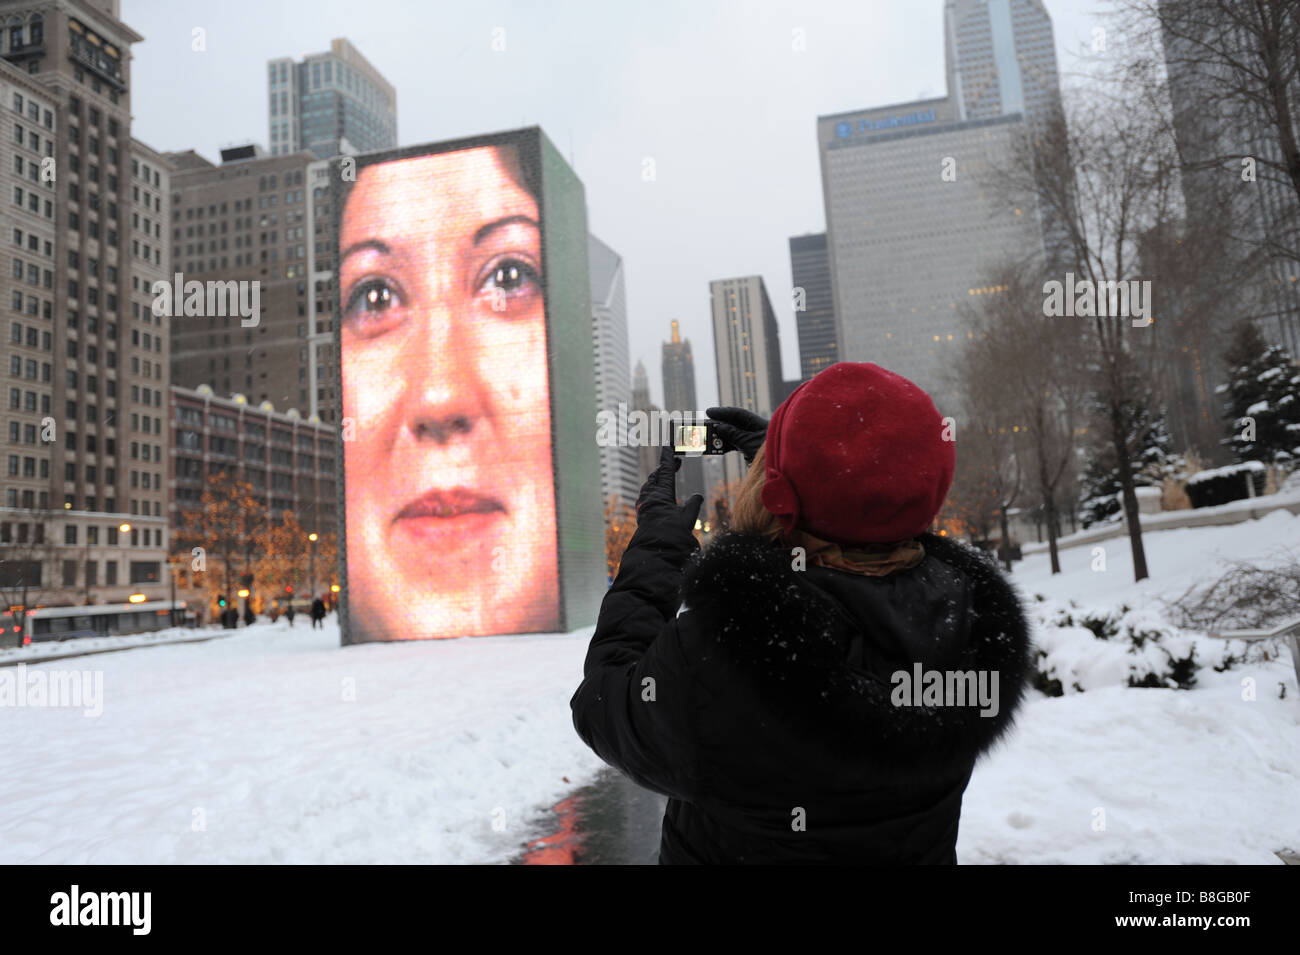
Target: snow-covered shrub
x: 1081, y: 650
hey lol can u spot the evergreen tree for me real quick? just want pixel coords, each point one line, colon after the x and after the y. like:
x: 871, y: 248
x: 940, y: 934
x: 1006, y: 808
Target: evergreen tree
x: 1261, y: 399
x: 1153, y: 460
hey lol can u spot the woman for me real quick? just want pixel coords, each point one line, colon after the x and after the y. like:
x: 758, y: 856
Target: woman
x: 769, y: 710
x: 449, y: 491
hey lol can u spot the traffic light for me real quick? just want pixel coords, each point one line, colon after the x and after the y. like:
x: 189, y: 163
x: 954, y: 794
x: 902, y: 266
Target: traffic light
x: 221, y: 601
x: 288, y: 588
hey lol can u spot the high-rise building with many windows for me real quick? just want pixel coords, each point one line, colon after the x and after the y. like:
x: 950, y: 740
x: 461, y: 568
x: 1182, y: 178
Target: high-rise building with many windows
x: 329, y: 103
x: 256, y: 218
x: 1001, y: 59
x: 747, y: 348
x: 85, y: 438
x: 620, y: 474
x: 810, y: 268
x: 915, y: 222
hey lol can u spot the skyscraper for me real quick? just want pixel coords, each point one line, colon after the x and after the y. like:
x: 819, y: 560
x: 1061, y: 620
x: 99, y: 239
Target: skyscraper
x: 909, y: 248
x: 648, y: 454
x: 1000, y: 58
x: 1210, y: 143
x: 679, y: 398
x: 914, y: 224
x: 87, y: 361
x: 330, y: 103
x: 679, y: 372
x: 747, y: 346
x: 810, y: 266
x: 620, y: 474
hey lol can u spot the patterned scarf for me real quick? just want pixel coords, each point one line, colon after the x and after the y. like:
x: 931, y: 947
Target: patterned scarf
x: 868, y: 560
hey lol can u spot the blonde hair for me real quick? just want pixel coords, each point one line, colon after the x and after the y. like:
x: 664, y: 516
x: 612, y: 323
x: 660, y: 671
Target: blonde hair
x: 749, y: 516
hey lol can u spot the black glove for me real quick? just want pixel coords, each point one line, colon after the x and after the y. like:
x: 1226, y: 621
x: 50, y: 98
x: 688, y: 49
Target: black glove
x: 657, y: 502
x: 741, y: 430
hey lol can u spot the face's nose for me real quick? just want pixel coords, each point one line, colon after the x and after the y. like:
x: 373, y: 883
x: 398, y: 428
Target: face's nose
x: 447, y: 394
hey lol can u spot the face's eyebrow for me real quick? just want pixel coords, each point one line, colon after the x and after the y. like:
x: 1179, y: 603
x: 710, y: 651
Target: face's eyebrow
x: 486, y: 230
x: 375, y: 244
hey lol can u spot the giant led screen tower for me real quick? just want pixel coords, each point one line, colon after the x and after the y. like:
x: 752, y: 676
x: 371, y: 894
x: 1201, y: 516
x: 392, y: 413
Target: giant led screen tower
x: 470, y: 473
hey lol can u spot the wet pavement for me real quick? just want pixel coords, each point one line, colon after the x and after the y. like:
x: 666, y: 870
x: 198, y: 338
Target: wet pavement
x: 612, y: 821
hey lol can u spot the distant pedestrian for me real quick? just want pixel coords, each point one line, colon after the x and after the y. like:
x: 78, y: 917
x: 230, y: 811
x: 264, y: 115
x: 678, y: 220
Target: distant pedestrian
x: 318, y: 613
x: 291, y: 613
x: 274, y: 612
x: 249, y: 616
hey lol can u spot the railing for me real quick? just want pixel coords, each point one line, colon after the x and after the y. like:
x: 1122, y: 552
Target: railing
x: 1288, y: 630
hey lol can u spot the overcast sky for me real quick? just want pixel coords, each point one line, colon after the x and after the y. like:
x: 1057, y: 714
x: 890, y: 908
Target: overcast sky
x: 713, y: 92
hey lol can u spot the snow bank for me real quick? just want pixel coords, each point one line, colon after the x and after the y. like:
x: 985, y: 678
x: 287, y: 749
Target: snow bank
x: 277, y: 745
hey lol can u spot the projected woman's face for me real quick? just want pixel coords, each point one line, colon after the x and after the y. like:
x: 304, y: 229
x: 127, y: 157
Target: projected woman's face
x: 450, y: 495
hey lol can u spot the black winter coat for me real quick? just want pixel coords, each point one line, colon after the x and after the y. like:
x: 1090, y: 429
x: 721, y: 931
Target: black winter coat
x: 763, y: 711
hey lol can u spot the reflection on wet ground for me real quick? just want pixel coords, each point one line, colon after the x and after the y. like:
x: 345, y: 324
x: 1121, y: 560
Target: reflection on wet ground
x: 612, y: 821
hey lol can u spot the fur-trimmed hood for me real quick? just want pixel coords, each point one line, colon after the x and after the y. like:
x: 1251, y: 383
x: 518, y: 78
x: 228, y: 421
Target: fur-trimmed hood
x: 821, y: 646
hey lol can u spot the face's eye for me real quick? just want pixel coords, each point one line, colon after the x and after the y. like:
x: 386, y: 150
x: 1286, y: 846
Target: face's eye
x: 371, y: 305
x: 510, y: 278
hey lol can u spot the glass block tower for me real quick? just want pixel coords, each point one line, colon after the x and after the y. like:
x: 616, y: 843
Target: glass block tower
x: 330, y: 103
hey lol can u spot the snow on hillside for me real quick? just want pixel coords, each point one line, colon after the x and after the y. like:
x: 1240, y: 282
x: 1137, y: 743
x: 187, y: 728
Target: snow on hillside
x: 277, y: 745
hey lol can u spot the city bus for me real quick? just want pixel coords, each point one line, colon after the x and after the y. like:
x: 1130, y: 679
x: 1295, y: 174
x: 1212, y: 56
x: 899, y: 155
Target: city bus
x: 102, y: 620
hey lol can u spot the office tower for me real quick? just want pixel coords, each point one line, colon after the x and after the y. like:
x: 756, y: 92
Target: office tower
x: 907, y: 249
x: 747, y: 348
x: 254, y: 219
x: 1211, y: 139
x: 914, y: 224
x: 810, y: 267
x: 647, y: 454
x: 619, y: 465
x: 330, y: 103
x: 678, y: 368
x: 1000, y: 59
x: 86, y: 413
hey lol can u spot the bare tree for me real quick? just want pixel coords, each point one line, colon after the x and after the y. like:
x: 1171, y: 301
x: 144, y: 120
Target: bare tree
x: 1026, y: 366
x: 1227, y: 76
x: 1104, y: 172
x: 1235, y: 64
x: 990, y: 476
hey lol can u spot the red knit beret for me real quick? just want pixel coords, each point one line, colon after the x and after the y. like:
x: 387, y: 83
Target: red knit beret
x: 856, y: 455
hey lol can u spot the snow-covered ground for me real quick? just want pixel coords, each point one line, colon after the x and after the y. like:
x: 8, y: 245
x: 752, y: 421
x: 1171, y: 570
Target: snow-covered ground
x: 277, y: 745
x: 1122, y: 775
x: 48, y: 649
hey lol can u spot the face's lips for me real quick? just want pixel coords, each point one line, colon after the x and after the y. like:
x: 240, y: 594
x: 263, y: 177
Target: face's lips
x: 449, y: 503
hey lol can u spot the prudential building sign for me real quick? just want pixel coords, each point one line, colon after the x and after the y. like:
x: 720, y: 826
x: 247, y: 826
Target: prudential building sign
x: 846, y: 129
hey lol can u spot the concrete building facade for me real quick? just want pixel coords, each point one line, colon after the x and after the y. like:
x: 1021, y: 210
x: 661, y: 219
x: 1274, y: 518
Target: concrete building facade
x: 85, y: 205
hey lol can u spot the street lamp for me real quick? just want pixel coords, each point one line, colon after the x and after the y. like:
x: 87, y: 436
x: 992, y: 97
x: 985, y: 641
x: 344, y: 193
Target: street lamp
x: 313, y: 537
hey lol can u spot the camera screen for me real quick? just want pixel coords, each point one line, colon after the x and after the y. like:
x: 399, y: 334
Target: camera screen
x: 691, y: 438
